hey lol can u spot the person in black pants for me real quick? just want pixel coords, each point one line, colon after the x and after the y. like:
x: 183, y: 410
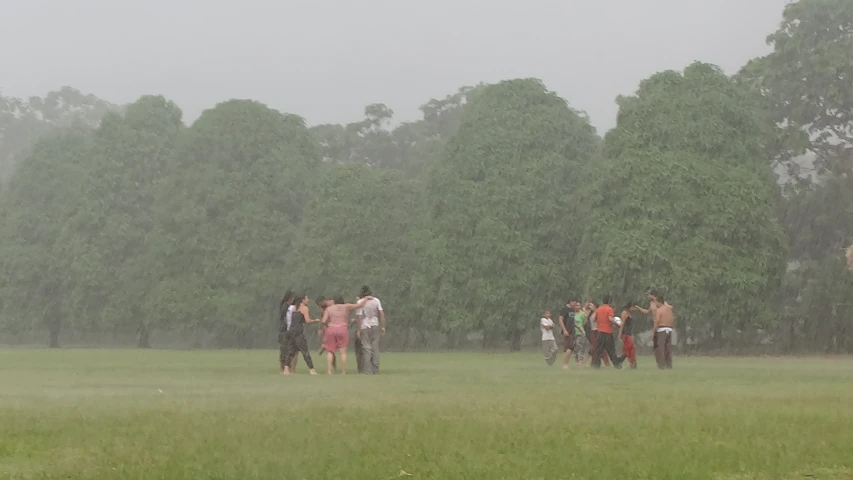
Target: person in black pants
x: 285, y: 313
x: 604, y: 342
x: 295, y: 336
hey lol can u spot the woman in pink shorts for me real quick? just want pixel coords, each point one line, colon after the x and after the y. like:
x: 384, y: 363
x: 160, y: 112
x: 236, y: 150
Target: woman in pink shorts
x: 336, y: 319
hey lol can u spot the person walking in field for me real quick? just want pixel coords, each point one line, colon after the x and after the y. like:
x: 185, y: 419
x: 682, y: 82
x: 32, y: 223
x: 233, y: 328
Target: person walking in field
x: 295, y: 337
x: 579, y: 336
x: 371, y: 328
x: 336, y: 338
x: 626, y: 333
x: 286, y: 309
x: 324, y: 303
x: 359, y: 353
x: 604, y: 342
x: 592, y: 334
x: 549, y: 344
x: 662, y: 333
x: 566, y: 321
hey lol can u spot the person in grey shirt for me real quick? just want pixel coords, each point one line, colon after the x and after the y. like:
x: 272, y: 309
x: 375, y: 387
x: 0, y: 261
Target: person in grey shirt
x: 371, y: 327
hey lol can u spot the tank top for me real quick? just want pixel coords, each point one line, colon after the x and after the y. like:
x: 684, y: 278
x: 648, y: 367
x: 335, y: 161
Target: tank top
x: 297, y: 322
x: 628, y: 327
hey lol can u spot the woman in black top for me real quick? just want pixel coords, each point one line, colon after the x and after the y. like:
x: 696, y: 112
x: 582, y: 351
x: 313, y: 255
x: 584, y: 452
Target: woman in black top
x: 626, y: 333
x: 295, y: 336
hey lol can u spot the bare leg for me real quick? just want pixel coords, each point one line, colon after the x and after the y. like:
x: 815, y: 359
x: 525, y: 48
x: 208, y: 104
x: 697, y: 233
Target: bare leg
x: 343, y: 354
x: 330, y: 360
x: 566, y: 357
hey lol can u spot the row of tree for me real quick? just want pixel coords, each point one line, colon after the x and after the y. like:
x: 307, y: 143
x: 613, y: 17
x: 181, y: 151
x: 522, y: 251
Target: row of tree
x: 501, y: 201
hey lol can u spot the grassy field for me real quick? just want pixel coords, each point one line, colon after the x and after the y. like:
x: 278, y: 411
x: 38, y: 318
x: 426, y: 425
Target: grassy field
x: 125, y: 414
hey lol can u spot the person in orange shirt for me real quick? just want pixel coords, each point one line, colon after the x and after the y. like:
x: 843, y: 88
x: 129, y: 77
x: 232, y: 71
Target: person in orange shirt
x: 604, y: 342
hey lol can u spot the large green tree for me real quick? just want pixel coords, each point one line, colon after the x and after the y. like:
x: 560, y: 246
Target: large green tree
x: 130, y: 162
x: 242, y: 176
x: 501, y: 233
x: 361, y: 228
x: 806, y: 84
x: 46, y: 230
x: 22, y: 122
x: 684, y: 202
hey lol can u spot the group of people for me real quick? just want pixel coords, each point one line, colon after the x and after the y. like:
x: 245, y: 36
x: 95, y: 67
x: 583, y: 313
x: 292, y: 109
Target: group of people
x: 589, y: 328
x: 335, y: 322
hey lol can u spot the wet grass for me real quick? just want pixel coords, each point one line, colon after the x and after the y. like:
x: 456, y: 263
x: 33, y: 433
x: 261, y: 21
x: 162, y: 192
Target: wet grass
x: 124, y: 414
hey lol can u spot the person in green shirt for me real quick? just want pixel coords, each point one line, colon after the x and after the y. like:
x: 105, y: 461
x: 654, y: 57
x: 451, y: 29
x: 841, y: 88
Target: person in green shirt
x: 580, y: 336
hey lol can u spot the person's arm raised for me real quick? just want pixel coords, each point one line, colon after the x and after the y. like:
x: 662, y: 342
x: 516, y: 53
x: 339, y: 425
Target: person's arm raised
x: 360, y: 303
x: 307, y: 315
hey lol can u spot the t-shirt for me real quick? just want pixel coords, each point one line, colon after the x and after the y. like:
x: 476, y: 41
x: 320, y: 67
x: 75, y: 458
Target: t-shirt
x: 370, y: 313
x: 580, y: 318
x: 602, y: 319
x: 547, y: 334
x: 567, y: 318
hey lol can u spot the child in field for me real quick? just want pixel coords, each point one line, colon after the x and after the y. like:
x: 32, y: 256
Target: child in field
x: 549, y: 344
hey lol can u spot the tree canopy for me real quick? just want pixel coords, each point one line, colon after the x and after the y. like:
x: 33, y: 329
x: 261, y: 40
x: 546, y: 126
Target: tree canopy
x: 686, y: 203
x: 499, y: 202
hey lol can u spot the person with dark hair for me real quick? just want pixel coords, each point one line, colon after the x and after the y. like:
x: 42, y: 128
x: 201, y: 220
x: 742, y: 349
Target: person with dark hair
x: 626, y: 333
x: 371, y: 327
x: 295, y: 336
x: 604, y: 343
x: 336, y: 321
x: 323, y: 303
x: 359, y: 359
x: 652, y: 295
x: 285, y: 310
x: 592, y: 332
x: 579, y: 336
x: 566, y: 322
x: 662, y: 333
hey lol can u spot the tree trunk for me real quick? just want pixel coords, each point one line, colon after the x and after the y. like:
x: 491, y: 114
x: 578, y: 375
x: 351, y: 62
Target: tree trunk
x: 491, y: 339
x: 453, y: 340
x: 792, y: 334
x: 515, y: 341
x: 144, y: 335
x: 718, y: 332
x: 54, y: 327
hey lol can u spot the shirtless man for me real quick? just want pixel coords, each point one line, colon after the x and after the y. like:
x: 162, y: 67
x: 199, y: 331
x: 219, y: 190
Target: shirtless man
x: 662, y: 333
x: 652, y: 296
x: 336, y: 337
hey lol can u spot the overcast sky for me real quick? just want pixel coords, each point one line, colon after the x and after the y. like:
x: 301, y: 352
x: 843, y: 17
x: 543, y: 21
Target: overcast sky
x: 326, y: 59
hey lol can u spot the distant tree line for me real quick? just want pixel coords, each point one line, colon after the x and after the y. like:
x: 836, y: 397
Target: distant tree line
x: 732, y: 194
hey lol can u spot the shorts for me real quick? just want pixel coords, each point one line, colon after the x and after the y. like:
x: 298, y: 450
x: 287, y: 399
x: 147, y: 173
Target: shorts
x: 335, y: 338
x: 568, y: 343
x: 580, y: 347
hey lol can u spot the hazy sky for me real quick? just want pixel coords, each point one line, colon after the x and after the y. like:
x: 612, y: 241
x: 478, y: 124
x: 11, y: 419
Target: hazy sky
x: 326, y: 59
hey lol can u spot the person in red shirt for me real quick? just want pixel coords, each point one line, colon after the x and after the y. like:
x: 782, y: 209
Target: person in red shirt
x: 604, y: 342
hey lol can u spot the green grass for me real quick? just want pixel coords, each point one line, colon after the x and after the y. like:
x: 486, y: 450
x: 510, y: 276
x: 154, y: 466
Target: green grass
x: 229, y: 415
